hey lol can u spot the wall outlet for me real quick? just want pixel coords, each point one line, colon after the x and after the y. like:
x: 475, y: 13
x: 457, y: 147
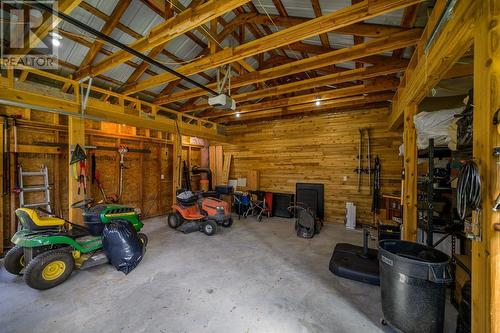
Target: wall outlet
x: 344, y: 178
x: 162, y: 177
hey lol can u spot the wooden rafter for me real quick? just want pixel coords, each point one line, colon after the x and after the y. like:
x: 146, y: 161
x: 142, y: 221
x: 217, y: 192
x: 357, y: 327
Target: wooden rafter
x: 360, y: 89
x: 426, y: 69
x: 325, y: 23
x: 317, y: 11
x: 369, y: 48
x: 408, y: 21
x: 107, y: 29
x: 165, y: 31
x: 360, y: 29
x: 321, y: 81
x: 353, y: 102
x: 49, y: 23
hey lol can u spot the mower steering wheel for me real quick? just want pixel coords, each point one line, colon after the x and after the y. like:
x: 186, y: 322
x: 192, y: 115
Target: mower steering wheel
x: 82, y: 203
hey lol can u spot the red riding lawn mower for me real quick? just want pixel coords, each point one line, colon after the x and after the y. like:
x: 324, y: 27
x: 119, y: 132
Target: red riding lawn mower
x: 199, y: 211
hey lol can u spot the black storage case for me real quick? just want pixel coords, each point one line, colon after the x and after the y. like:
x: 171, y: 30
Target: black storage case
x: 312, y: 196
x: 281, y: 202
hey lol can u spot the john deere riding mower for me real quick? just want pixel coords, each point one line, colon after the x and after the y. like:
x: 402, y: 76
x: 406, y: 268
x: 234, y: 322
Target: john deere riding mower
x: 47, y: 249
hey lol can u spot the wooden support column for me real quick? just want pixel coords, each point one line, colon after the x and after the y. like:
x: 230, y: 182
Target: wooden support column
x: 486, y: 253
x: 3, y: 216
x: 410, y: 184
x: 176, y: 164
x: 76, y: 135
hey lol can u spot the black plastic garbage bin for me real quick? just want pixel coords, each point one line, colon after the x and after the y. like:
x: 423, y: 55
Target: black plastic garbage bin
x: 413, y: 280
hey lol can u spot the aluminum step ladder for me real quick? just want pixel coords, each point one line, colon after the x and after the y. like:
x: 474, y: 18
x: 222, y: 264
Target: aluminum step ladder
x: 44, y: 188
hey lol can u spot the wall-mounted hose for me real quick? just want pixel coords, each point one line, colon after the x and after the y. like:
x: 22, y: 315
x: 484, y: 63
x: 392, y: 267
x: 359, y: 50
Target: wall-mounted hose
x: 468, y: 189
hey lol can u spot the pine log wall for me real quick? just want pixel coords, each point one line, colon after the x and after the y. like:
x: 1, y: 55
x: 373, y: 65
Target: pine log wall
x: 319, y: 149
x: 42, y: 140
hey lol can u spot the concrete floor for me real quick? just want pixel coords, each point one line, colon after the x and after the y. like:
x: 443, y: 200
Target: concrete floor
x: 253, y: 277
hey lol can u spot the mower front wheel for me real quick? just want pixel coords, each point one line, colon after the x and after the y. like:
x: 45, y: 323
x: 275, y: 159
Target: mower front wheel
x: 227, y: 223
x: 174, y: 220
x: 14, y: 260
x: 49, y: 269
x: 143, y: 238
x: 209, y: 228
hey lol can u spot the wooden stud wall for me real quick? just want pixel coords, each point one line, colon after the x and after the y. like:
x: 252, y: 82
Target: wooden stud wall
x: 42, y: 140
x: 320, y: 149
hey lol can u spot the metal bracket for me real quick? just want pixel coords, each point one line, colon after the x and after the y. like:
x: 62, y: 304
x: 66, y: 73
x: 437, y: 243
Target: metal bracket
x: 84, y: 95
x: 227, y: 79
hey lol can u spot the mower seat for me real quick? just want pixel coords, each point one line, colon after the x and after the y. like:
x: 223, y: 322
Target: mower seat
x: 31, y: 221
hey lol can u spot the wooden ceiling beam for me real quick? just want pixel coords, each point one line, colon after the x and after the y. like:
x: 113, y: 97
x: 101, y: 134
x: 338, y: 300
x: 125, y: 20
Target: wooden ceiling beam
x: 359, y: 29
x: 49, y: 23
x: 426, y: 69
x: 373, y: 47
x: 408, y: 21
x: 360, y: 89
x: 325, y: 23
x: 332, y: 110
x: 317, y: 11
x: 165, y: 31
x: 328, y: 106
x: 321, y: 81
x: 94, y: 11
x: 107, y: 29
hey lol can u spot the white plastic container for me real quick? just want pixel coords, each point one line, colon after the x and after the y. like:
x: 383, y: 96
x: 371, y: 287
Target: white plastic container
x: 350, y: 216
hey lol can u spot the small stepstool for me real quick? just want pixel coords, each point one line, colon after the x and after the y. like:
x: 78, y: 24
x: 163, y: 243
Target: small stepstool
x: 45, y: 188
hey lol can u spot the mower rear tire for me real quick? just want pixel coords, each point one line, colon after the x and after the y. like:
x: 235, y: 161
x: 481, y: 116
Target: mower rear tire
x: 174, y: 220
x: 14, y: 260
x: 49, y: 269
x: 227, y: 223
x: 209, y: 228
x: 143, y: 239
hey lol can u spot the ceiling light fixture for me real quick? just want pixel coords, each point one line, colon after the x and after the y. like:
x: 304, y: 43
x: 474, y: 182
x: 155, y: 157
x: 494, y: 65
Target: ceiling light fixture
x: 56, y: 38
x: 318, y: 101
x: 237, y: 114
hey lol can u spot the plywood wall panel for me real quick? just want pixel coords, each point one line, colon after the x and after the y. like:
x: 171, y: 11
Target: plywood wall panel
x: 321, y: 149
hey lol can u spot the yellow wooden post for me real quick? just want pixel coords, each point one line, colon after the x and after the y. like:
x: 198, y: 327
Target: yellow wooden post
x: 486, y: 253
x: 176, y: 166
x: 2, y: 198
x: 76, y: 135
x: 410, y: 184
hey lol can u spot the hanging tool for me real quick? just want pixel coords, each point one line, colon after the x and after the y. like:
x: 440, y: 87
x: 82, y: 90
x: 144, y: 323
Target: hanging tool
x: 376, y: 187
x: 6, y: 163
x: 496, y: 152
x: 122, y: 151
x: 187, y: 178
x: 82, y: 177
x: 369, y: 170
x: 93, y: 166
x: 359, y: 169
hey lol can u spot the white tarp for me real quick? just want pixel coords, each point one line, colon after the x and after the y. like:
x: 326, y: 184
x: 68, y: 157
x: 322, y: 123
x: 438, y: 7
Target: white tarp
x: 435, y: 125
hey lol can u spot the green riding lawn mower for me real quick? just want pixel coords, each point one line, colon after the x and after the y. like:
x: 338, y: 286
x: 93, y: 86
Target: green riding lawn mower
x: 47, y: 249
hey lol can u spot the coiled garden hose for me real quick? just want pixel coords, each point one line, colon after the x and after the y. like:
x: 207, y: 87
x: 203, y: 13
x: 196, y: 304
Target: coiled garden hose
x: 468, y: 189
